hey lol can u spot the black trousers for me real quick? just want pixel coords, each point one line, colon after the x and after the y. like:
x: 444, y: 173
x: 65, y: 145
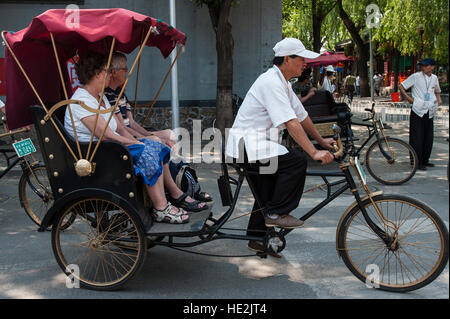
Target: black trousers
x: 279, y: 193
x: 421, y: 136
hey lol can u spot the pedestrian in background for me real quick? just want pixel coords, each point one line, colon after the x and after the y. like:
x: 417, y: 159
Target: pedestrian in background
x: 357, y: 85
x: 426, y: 97
x: 327, y: 79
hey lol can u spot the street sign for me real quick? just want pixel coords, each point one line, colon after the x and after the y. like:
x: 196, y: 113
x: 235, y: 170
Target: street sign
x: 24, y: 147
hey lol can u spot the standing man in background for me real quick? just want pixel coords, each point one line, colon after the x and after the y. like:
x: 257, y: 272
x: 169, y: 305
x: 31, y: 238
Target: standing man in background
x: 426, y: 97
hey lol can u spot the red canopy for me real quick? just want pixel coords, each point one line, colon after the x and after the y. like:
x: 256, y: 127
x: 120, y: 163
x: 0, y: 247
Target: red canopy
x: 91, y: 29
x: 328, y: 58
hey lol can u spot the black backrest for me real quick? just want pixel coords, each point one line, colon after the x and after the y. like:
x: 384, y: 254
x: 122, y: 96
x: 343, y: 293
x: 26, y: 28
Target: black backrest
x: 320, y: 104
x: 112, y: 161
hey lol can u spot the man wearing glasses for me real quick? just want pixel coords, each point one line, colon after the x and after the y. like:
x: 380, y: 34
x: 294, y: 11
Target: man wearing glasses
x: 119, y: 72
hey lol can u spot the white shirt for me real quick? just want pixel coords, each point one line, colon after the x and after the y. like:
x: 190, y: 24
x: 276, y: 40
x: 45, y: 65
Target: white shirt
x: 2, y: 104
x: 422, y: 84
x: 78, y: 113
x: 327, y: 85
x: 357, y: 80
x: 269, y: 104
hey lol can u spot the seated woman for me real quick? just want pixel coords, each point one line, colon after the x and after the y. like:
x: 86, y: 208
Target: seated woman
x: 150, y: 157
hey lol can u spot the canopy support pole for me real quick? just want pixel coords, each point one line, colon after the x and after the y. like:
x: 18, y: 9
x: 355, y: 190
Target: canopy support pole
x: 137, y: 78
x: 37, y: 95
x: 121, y: 92
x: 160, y: 88
x: 100, y: 99
x: 174, y: 76
x: 65, y: 92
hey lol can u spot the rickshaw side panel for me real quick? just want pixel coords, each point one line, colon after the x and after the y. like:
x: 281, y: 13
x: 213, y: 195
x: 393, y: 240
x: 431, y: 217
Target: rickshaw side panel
x: 114, y: 171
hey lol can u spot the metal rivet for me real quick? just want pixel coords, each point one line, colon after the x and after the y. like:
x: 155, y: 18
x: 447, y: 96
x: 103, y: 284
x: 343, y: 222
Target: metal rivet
x: 42, y: 122
x: 125, y: 157
x: 51, y: 156
x: 128, y: 175
x: 60, y: 190
x: 56, y: 174
x: 131, y: 194
x: 47, y: 139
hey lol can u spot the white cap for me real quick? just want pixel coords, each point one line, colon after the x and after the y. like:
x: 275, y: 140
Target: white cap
x: 292, y: 46
x: 329, y: 68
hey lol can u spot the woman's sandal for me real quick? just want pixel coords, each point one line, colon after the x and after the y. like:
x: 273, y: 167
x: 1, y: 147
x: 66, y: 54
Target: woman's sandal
x: 166, y: 216
x: 203, y: 197
x: 181, y: 202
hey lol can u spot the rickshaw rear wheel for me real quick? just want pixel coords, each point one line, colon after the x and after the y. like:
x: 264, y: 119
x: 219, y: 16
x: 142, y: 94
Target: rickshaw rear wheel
x: 102, y: 247
x: 35, y: 193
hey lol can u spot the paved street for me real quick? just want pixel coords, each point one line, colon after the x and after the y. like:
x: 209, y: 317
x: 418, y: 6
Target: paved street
x: 309, y: 269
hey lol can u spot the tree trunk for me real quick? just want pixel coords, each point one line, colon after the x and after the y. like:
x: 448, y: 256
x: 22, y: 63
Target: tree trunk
x: 317, y: 43
x: 319, y: 12
x: 363, y: 49
x: 224, y: 48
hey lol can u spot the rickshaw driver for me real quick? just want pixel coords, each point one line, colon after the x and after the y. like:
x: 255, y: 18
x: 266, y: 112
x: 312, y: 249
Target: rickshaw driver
x: 123, y: 113
x: 272, y: 104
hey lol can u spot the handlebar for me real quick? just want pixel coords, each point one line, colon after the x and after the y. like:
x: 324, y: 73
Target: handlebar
x: 338, y: 147
x: 11, y: 133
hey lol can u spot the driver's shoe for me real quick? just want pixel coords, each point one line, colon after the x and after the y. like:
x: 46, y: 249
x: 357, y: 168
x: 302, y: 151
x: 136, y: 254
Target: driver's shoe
x: 259, y: 247
x: 283, y: 221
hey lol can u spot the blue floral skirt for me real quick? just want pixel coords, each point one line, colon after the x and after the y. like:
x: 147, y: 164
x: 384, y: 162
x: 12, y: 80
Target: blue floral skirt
x: 149, y: 159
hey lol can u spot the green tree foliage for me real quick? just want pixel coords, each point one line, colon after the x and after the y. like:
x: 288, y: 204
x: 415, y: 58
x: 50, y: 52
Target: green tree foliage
x: 415, y: 27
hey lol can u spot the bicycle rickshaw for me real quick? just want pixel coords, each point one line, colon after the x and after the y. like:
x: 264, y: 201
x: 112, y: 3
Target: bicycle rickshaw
x: 99, y: 216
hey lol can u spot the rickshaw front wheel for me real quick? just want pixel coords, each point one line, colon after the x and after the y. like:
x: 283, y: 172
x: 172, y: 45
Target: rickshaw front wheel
x: 102, y: 247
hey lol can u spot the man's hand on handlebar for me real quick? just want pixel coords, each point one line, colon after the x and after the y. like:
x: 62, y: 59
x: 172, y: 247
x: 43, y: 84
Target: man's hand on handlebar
x: 323, y: 156
x: 327, y: 143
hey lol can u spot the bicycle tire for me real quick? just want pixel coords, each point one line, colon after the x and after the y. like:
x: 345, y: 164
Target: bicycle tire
x: 355, y: 238
x: 105, y: 242
x: 400, y: 170
x: 32, y: 181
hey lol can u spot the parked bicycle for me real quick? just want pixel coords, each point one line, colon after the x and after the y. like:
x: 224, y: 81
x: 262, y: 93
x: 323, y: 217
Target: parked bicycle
x: 35, y: 194
x: 389, y: 160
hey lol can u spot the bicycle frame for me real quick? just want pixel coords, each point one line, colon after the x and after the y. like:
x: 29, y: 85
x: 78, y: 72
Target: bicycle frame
x: 25, y: 165
x: 8, y: 158
x: 213, y: 232
x: 373, y: 131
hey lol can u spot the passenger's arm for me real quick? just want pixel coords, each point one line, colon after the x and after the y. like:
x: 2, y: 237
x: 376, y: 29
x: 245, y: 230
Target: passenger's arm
x: 136, y: 127
x: 125, y: 130
x: 89, y: 121
x: 309, y: 127
x: 297, y: 132
x: 305, y: 98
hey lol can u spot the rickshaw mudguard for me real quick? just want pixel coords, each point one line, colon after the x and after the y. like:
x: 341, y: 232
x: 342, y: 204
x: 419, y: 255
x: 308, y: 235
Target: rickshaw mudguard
x: 349, y: 209
x: 68, y: 199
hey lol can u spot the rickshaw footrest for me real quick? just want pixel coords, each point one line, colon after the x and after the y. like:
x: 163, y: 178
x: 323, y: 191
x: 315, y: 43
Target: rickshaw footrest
x: 195, y: 224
